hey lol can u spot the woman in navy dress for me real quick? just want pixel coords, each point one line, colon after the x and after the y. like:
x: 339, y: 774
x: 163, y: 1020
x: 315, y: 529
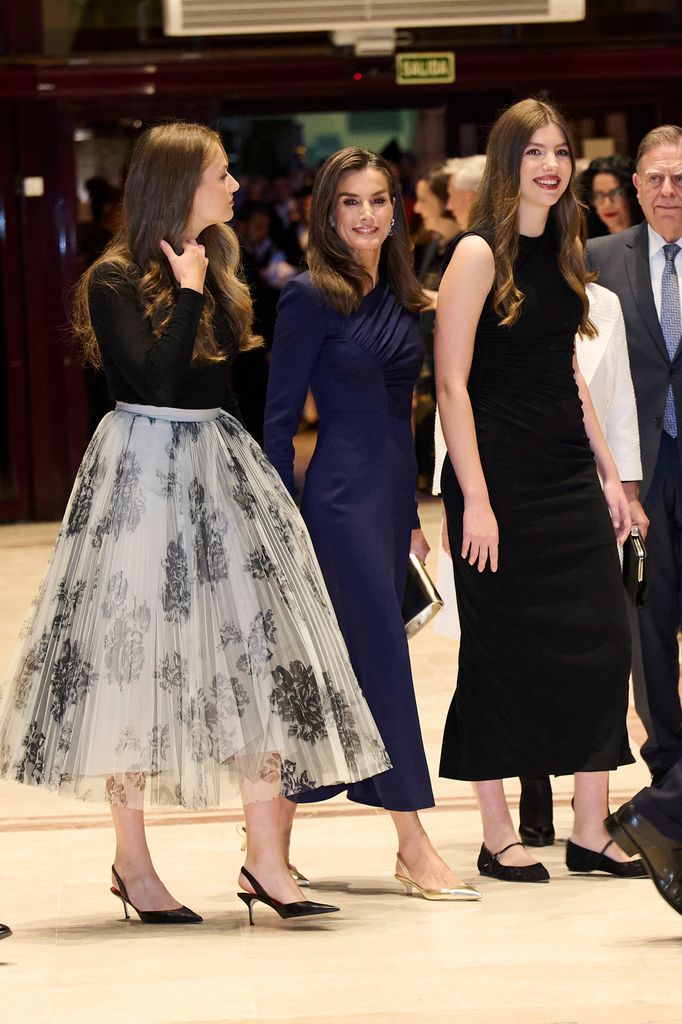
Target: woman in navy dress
x: 348, y: 330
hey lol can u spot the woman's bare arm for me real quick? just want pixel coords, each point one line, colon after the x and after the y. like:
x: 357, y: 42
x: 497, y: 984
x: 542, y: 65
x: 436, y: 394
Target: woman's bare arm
x: 462, y: 294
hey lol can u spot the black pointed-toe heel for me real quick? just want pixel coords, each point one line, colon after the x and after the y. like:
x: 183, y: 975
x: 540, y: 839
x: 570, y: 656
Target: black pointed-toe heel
x: 584, y: 861
x: 301, y: 908
x: 5, y: 931
x: 183, y: 915
x: 489, y: 864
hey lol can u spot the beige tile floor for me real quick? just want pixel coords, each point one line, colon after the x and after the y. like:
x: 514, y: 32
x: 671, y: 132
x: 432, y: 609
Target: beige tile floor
x: 578, y: 951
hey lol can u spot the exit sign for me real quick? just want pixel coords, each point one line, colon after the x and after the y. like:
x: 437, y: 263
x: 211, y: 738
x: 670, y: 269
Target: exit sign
x: 424, y: 68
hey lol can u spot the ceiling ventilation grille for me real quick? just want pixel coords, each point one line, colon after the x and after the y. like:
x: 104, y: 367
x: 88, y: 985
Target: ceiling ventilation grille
x: 251, y: 17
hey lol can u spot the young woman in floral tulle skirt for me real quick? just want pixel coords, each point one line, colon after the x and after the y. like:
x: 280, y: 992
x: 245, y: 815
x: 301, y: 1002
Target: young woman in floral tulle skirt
x: 182, y: 641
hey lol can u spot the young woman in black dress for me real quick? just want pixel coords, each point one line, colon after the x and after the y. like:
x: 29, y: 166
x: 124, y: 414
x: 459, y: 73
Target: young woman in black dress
x: 183, y: 638
x: 544, y: 654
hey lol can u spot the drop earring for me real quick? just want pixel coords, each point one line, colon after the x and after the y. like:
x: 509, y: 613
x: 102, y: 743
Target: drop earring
x: 390, y: 230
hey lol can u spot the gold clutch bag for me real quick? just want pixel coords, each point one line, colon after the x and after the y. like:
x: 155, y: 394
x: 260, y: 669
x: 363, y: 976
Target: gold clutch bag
x: 421, y: 601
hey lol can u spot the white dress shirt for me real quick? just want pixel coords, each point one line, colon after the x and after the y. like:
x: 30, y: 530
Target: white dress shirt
x: 657, y: 263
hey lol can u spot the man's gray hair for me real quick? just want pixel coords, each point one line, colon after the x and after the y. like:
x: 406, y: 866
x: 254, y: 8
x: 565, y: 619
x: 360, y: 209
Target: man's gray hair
x: 452, y: 165
x: 664, y: 135
x: 469, y: 173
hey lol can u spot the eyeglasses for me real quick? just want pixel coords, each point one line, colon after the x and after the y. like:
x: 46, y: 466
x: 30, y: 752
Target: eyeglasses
x: 615, y: 193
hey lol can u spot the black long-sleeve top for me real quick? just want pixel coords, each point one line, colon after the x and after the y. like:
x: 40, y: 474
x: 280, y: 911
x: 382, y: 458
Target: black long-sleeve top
x: 144, y: 370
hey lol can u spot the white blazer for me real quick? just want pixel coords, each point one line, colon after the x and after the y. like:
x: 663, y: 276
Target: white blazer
x: 605, y: 365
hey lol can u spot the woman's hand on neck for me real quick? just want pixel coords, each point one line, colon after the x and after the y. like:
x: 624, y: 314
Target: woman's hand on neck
x: 189, y: 267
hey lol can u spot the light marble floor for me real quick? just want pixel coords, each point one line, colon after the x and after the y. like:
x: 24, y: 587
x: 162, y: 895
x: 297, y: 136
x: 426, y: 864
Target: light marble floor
x: 581, y: 950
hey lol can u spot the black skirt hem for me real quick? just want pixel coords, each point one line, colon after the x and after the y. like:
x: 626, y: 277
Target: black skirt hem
x: 517, y: 772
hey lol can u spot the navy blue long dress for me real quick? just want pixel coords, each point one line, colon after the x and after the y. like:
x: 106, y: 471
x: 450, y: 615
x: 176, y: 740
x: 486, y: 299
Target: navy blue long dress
x: 359, y: 499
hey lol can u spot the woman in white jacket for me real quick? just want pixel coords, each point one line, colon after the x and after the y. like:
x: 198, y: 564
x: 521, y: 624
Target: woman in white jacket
x: 605, y: 365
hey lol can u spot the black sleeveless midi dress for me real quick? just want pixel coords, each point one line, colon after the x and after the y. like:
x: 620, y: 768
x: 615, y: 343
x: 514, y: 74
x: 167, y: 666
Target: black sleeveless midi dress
x: 544, y: 658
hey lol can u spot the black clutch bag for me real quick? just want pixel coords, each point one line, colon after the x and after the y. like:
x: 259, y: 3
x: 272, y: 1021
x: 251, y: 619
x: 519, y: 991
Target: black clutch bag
x: 421, y: 601
x: 634, y: 567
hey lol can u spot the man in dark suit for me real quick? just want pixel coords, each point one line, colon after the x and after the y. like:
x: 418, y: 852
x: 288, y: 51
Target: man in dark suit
x: 642, y: 266
x: 651, y: 825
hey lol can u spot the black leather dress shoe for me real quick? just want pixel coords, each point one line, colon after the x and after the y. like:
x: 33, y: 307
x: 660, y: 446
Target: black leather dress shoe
x: 5, y: 931
x: 578, y: 858
x: 537, y: 835
x: 661, y: 855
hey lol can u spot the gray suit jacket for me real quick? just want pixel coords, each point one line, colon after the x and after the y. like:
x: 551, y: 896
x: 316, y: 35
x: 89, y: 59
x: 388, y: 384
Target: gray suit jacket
x: 623, y: 264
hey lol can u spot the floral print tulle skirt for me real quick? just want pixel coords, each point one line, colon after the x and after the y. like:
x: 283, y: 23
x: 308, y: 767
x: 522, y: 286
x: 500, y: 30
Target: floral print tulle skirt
x: 182, y: 643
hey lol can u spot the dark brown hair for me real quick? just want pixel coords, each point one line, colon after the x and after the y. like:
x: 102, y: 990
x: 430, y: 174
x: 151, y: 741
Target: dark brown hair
x: 334, y: 271
x: 165, y: 172
x: 619, y: 167
x: 437, y: 179
x: 496, y: 208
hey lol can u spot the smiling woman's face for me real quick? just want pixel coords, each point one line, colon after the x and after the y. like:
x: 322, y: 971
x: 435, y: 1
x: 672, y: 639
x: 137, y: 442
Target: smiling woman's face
x: 363, y: 210
x: 546, y: 167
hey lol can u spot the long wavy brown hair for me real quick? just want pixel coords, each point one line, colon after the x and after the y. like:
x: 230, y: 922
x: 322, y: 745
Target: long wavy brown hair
x: 334, y: 271
x: 165, y: 172
x: 496, y: 209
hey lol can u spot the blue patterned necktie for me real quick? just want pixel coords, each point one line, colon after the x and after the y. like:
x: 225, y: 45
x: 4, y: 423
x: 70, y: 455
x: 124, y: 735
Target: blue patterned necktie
x: 671, y: 325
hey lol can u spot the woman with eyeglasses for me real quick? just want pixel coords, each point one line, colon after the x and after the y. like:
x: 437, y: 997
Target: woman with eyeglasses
x: 608, y: 189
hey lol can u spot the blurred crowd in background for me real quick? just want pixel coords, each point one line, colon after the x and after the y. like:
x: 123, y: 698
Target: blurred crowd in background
x: 272, y: 218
